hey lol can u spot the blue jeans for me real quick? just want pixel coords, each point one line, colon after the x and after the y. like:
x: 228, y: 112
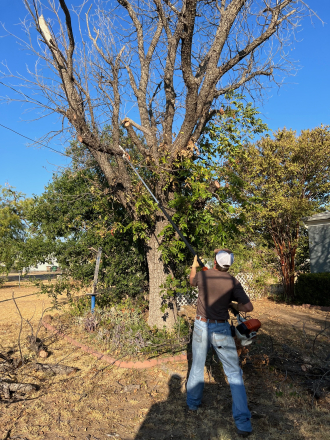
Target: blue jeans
x: 219, y: 335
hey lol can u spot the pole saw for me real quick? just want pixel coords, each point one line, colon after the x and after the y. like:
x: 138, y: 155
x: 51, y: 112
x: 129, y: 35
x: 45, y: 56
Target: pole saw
x: 161, y: 207
x: 246, y: 330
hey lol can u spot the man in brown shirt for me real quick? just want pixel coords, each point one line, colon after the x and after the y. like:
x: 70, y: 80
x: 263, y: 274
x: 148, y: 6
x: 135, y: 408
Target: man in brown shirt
x: 216, y: 291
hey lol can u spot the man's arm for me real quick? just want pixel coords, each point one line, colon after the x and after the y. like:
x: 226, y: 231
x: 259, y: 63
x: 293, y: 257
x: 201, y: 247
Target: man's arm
x: 248, y: 307
x: 240, y: 296
x: 193, y: 271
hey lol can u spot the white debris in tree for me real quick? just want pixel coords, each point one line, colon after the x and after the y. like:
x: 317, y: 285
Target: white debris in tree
x: 45, y: 31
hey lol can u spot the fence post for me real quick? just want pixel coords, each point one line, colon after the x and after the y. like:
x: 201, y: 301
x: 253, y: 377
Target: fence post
x: 96, y: 274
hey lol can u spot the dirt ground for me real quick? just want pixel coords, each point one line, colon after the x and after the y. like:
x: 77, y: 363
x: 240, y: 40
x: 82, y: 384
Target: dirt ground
x: 100, y: 401
x: 29, y: 302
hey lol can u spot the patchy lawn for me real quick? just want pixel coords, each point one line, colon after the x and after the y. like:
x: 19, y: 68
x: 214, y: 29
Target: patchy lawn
x: 30, y: 303
x: 288, y: 396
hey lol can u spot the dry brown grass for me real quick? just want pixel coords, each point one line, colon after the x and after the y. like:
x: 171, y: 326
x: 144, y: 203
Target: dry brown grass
x: 93, y: 404
x: 31, y: 306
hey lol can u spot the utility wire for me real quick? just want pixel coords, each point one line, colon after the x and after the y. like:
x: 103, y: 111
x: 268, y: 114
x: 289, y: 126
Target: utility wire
x: 21, y: 93
x: 18, y: 297
x: 50, y: 148
x: 43, y: 145
x: 26, y: 137
x: 22, y: 135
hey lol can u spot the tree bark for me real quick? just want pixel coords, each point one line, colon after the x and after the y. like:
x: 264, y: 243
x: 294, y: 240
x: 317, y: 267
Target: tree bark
x: 55, y: 368
x: 157, y: 277
x: 288, y: 274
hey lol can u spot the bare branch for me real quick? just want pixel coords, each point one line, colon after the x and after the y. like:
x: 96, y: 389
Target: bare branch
x: 70, y: 35
x: 155, y: 68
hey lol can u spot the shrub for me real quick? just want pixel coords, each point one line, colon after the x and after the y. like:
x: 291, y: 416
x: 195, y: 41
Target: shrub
x: 79, y: 306
x: 313, y: 288
x: 122, y: 329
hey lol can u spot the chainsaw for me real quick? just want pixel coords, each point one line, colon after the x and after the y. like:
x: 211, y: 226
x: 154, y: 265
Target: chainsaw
x: 246, y: 329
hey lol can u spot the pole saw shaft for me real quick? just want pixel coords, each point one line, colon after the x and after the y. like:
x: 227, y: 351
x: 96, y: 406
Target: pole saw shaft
x: 169, y: 218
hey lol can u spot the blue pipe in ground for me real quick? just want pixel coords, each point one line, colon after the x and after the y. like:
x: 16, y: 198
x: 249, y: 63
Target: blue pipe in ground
x: 92, y: 303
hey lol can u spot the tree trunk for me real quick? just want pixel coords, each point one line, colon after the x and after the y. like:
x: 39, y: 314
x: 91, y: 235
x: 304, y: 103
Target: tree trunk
x: 292, y: 273
x: 157, y: 277
x: 285, y: 277
x: 288, y: 274
x: 288, y: 282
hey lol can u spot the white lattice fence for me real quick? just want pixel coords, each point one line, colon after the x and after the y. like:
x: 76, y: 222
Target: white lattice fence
x: 184, y: 300
x: 246, y: 279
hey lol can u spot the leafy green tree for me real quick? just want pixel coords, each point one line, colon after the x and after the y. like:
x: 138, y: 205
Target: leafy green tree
x: 160, y: 72
x: 78, y: 210
x: 71, y: 219
x: 278, y: 181
x: 13, y: 228
x: 201, y: 204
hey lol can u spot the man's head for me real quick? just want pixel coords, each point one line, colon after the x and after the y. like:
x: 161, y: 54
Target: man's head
x: 223, y: 259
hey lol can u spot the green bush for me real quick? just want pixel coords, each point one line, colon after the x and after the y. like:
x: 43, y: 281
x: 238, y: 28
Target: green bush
x: 79, y: 306
x: 313, y: 288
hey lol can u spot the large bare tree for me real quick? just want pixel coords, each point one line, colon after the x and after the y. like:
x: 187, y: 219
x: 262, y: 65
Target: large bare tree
x: 156, y: 69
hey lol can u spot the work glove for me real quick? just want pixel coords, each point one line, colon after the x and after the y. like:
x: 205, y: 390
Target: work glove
x: 195, y: 263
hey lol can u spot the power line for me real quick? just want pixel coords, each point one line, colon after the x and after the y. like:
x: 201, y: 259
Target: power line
x: 26, y: 137
x: 21, y: 93
x: 35, y: 100
x: 18, y: 297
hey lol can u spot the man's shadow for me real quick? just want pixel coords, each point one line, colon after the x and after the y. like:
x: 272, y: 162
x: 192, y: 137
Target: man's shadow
x: 213, y: 421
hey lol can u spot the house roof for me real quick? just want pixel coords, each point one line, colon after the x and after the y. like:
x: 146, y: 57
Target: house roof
x: 322, y: 217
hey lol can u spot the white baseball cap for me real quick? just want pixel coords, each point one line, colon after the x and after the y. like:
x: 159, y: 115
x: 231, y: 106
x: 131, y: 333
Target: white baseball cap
x: 224, y: 258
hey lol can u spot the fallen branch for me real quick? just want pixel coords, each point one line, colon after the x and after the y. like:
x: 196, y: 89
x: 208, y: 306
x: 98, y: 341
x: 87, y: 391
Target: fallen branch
x: 56, y: 368
x: 7, y: 388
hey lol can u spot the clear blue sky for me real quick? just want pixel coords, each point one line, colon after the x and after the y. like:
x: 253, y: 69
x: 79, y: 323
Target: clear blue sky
x: 303, y: 102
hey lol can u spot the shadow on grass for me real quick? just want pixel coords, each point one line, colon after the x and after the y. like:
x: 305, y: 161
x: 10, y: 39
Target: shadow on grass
x: 285, y: 373
x: 213, y: 420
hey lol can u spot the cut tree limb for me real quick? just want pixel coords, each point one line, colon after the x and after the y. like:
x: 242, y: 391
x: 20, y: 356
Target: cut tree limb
x: 7, y: 388
x: 56, y: 368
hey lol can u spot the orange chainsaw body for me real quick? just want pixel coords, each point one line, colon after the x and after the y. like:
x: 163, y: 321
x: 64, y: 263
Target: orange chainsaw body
x: 253, y: 324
